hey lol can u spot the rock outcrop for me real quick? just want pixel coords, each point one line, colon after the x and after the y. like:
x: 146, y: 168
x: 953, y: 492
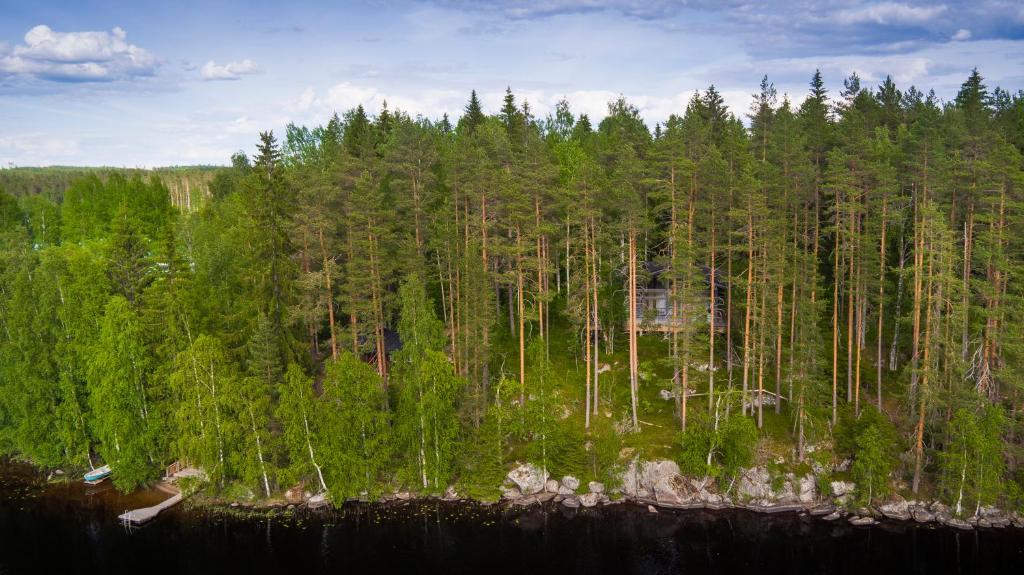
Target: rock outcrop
x: 529, y: 478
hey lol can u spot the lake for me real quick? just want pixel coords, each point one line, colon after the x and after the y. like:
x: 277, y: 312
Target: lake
x: 68, y: 528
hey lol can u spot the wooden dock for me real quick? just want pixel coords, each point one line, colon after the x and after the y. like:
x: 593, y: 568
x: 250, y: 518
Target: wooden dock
x: 175, y: 472
x: 146, y: 514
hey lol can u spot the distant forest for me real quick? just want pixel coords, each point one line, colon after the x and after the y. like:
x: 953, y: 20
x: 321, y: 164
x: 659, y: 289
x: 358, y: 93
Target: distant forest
x: 386, y: 302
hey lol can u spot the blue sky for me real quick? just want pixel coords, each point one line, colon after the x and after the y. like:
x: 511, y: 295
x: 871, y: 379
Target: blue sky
x: 154, y: 83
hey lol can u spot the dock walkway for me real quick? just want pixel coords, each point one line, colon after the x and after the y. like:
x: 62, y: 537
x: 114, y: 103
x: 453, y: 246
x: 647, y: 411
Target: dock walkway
x: 168, y: 485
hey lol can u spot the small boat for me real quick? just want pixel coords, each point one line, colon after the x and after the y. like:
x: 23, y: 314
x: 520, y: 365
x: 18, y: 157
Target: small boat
x: 97, y: 475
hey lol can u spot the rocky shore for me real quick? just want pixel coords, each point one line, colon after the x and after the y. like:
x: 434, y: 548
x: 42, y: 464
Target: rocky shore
x: 659, y: 484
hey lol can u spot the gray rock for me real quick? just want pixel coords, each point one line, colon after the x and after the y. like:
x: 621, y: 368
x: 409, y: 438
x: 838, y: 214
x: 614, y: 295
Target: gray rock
x: 957, y: 523
x: 590, y: 499
x: 822, y: 510
x: 551, y: 486
x: 861, y: 521
x: 563, y: 490
x: 898, y: 510
x: 529, y: 478
x: 511, y: 493
x: 651, y: 509
x: 596, y: 487
x: 922, y: 515
x: 807, y: 489
x: 571, y: 502
x: 544, y: 497
x: 786, y: 495
x: 318, y: 501
x: 832, y: 516
x: 638, y: 479
x: 525, y: 501
x: 841, y: 488
x: 673, y: 490
x: 571, y: 482
x: 754, y: 484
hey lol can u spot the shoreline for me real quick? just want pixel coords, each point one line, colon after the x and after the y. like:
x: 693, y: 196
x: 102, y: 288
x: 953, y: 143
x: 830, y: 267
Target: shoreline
x: 825, y: 511
x: 833, y: 509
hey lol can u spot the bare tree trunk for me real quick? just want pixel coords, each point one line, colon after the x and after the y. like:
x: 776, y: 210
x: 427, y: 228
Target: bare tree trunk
x: 522, y: 330
x: 633, y: 367
x: 746, y: 322
x: 881, y: 299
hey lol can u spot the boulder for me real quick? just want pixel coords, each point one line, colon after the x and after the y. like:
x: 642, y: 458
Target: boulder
x: 841, y: 488
x: 529, y: 478
x: 1017, y: 520
x: 512, y: 493
x: 957, y: 523
x: 861, y: 521
x: 941, y: 511
x: 898, y: 510
x: 525, y: 501
x: 590, y: 499
x: 786, y: 495
x: 571, y: 482
x: 638, y: 478
x: 318, y: 501
x: 807, y: 489
x: 821, y: 510
x: 294, y: 495
x: 992, y: 517
x: 551, y: 486
x: 922, y: 515
x: 832, y: 516
x: 754, y: 484
x: 563, y: 490
x: 572, y: 502
x: 673, y: 490
x: 596, y: 487
x: 651, y: 509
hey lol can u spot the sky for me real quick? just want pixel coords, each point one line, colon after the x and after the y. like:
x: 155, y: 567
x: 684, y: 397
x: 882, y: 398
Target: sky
x: 158, y: 83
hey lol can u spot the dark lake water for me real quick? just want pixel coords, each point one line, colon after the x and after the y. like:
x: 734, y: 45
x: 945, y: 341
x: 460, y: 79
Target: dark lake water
x: 67, y: 529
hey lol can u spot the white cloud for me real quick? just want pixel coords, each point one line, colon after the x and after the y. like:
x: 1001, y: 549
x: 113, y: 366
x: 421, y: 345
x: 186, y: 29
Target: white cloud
x: 230, y: 71
x: 885, y: 13
x: 36, y: 149
x: 961, y: 35
x: 76, y: 56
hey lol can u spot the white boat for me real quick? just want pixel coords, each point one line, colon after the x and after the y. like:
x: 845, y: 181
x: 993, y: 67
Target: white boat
x: 97, y: 475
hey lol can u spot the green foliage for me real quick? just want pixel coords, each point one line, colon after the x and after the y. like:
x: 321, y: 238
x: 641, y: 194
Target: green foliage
x: 972, y: 467
x: 119, y: 399
x: 202, y: 378
x: 603, y: 447
x: 484, y: 451
x: 873, y: 464
x: 710, y: 452
x: 425, y: 421
x: 353, y: 428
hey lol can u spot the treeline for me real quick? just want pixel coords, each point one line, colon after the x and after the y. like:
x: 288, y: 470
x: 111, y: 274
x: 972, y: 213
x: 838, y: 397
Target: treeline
x: 188, y: 185
x: 393, y: 301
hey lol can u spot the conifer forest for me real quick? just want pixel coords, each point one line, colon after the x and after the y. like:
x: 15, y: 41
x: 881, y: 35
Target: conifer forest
x: 389, y: 303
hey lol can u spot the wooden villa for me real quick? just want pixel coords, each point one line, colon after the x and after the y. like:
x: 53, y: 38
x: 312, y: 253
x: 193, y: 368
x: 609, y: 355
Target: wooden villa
x: 654, y: 300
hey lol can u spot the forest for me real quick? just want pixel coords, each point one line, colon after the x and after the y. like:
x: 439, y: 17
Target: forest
x: 385, y: 302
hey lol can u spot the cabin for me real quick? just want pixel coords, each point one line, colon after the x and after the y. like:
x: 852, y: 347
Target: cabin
x: 654, y: 300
